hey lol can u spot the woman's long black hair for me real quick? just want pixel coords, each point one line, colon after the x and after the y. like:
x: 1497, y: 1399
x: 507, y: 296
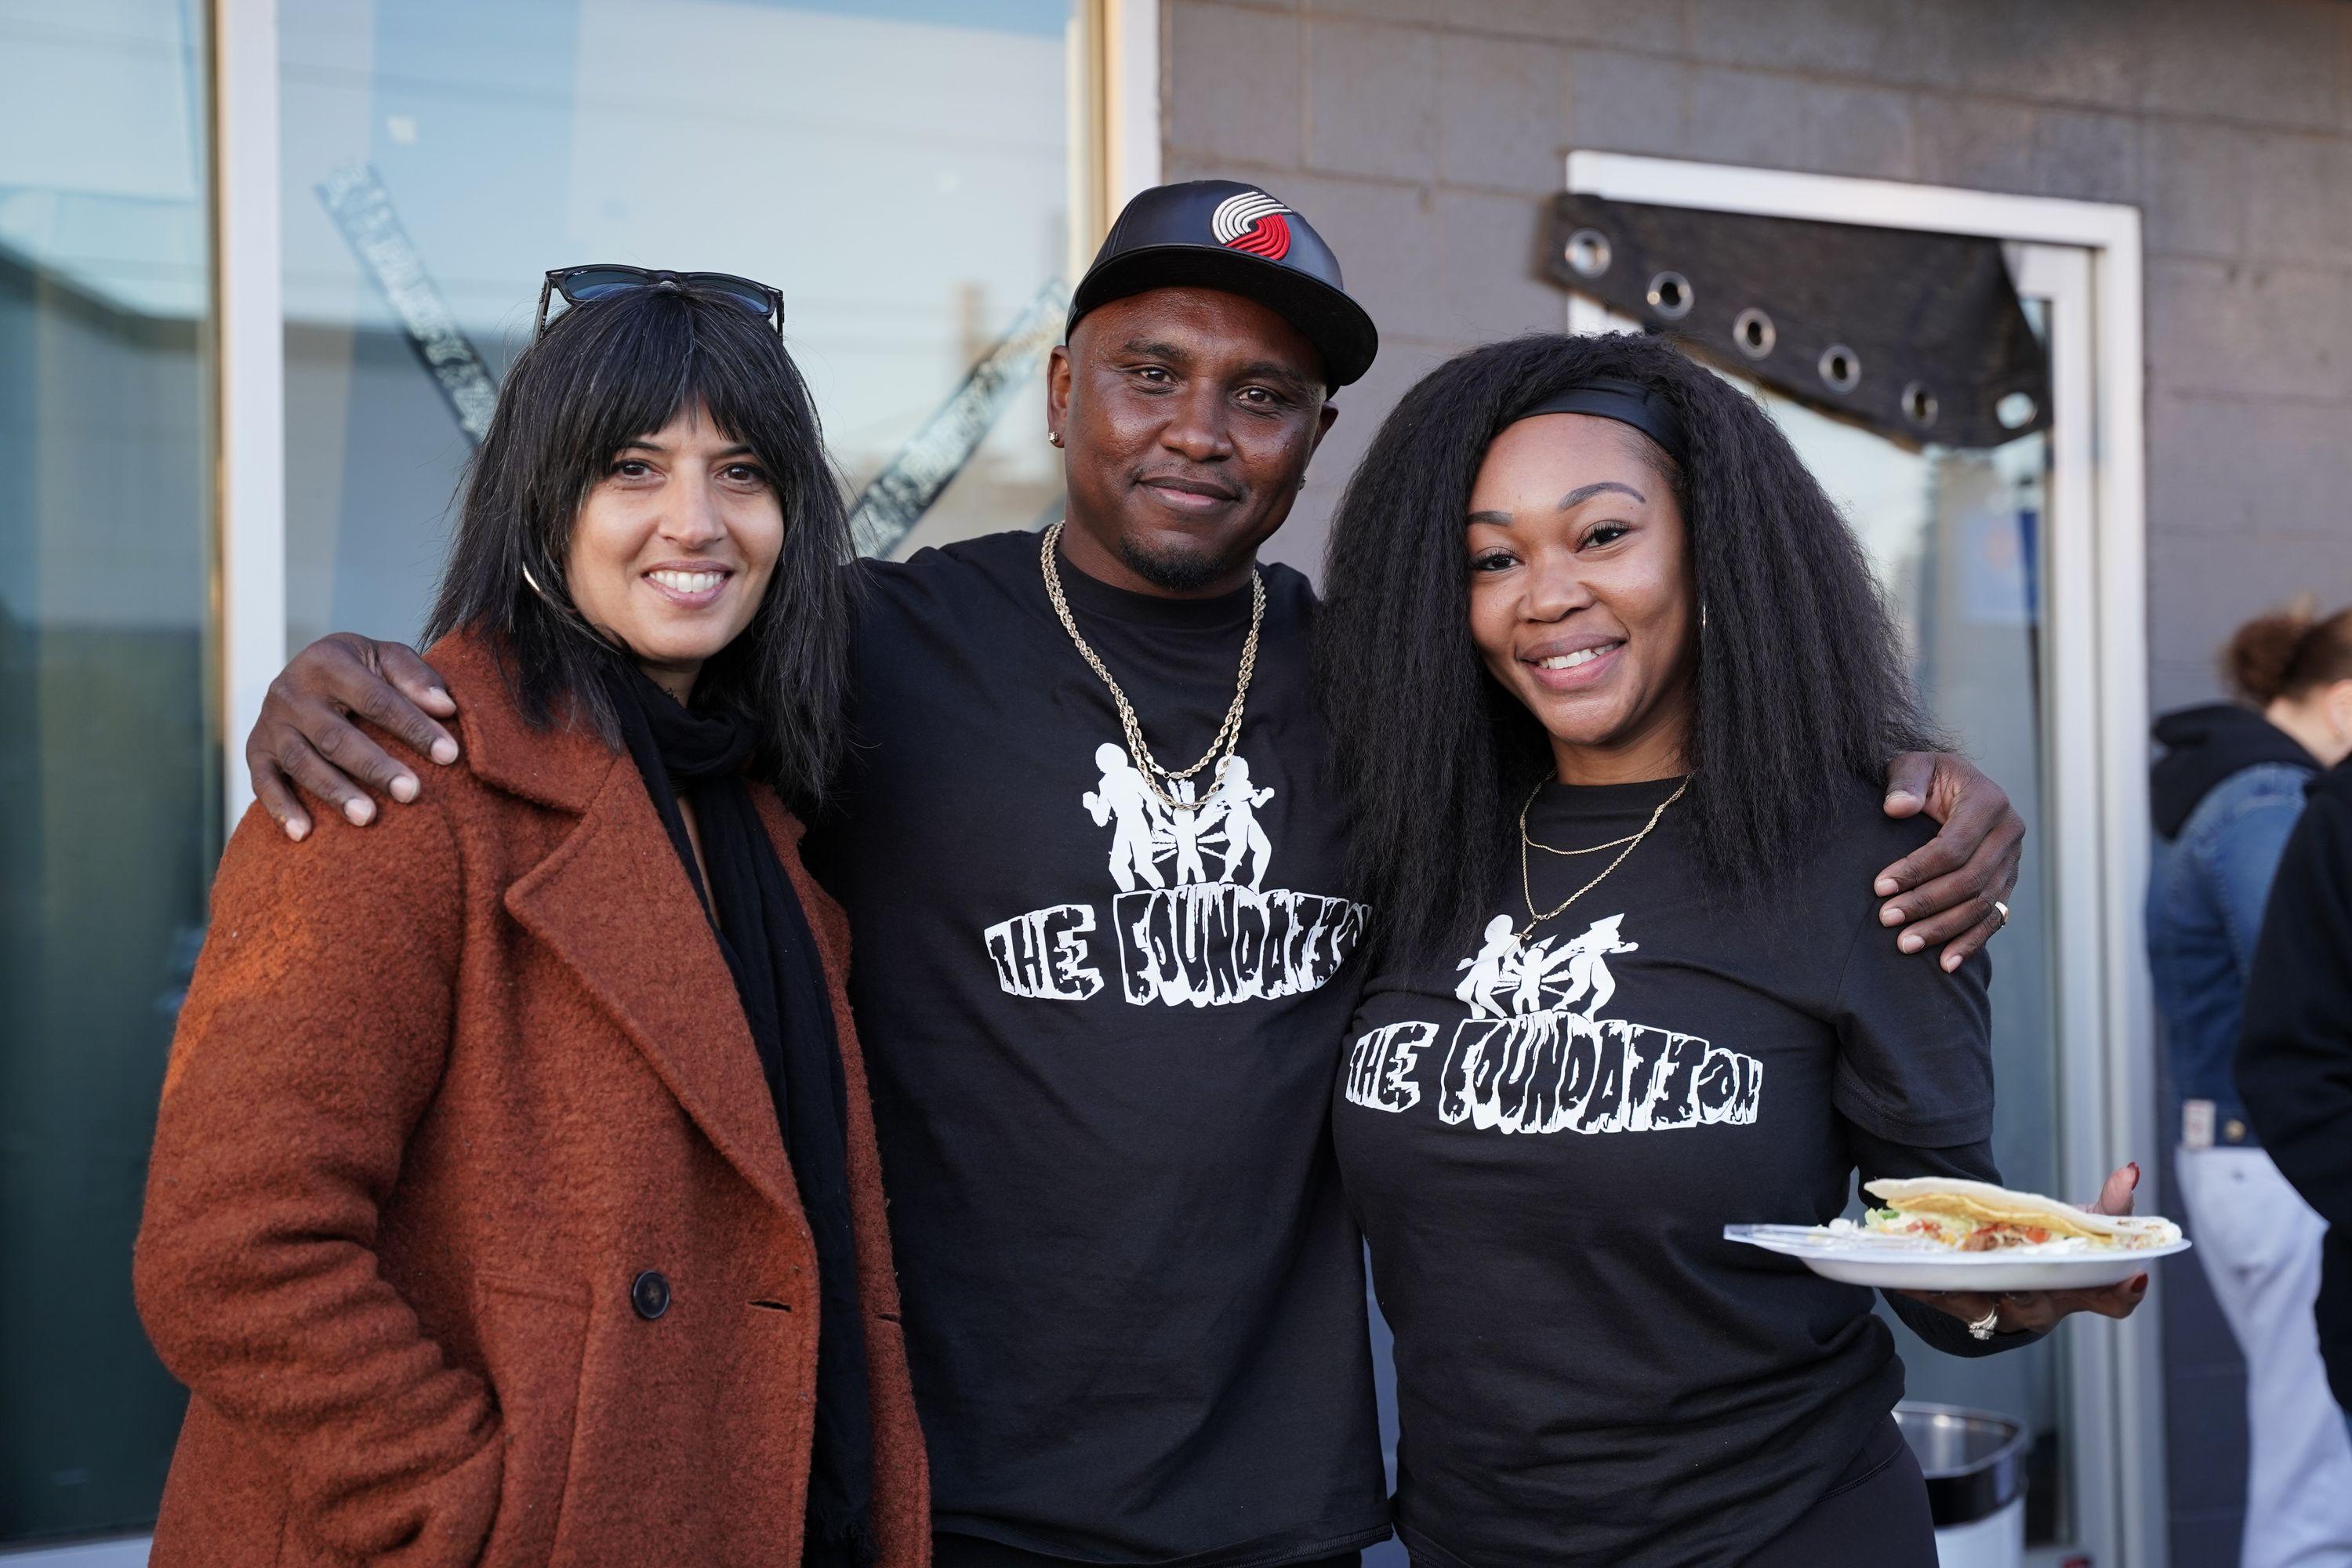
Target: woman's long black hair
x: 1800, y: 683
x: 605, y: 373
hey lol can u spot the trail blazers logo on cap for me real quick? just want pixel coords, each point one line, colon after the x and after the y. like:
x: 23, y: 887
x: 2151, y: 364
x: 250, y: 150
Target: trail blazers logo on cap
x: 1252, y: 222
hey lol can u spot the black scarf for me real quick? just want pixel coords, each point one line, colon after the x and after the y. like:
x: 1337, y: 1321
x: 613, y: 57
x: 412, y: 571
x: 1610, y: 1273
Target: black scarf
x: 764, y: 934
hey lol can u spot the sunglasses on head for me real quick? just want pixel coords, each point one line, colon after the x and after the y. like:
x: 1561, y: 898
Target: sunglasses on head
x: 579, y: 285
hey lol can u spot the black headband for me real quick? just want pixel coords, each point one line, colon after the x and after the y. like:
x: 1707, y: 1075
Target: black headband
x: 1610, y: 397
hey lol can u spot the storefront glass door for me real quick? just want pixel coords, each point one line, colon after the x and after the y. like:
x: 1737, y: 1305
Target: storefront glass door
x: 1955, y: 539
x: 1972, y: 549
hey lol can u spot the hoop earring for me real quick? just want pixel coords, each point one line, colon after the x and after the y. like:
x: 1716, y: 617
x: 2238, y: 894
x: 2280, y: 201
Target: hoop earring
x: 564, y: 613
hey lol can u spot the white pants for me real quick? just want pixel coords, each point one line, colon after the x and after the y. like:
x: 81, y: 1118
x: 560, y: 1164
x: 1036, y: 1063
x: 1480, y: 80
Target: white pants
x: 2259, y: 1242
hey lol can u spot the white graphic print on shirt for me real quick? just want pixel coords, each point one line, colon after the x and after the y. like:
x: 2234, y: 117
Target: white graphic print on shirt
x: 1192, y: 921
x: 1536, y: 1056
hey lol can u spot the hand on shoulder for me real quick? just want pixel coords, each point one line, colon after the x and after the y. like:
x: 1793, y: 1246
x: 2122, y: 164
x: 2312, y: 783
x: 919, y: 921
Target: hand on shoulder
x: 1950, y: 893
x: 308, y: 739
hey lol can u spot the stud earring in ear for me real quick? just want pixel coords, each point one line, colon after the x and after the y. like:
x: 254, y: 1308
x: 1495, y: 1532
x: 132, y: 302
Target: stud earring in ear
x: 1054, y: 436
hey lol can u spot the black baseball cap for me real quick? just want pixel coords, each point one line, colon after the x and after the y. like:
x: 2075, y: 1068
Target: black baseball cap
x: 1219, y: 234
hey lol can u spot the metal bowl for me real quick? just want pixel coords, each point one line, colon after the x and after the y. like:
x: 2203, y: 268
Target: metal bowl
x: 1974, y: 1460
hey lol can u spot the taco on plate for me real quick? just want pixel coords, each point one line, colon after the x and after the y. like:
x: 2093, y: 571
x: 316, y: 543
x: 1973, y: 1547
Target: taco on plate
x: 1977, y: 1217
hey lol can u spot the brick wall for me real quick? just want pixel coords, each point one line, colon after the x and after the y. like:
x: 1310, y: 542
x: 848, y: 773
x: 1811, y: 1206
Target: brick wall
x: 1419, y: 135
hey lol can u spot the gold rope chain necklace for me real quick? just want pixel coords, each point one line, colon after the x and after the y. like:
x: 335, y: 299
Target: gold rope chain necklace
x: 1527, y: 882
x: 1229, y: 733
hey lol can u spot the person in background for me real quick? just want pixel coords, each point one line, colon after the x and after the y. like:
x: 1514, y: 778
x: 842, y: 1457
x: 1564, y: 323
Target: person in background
x: 514, y: 1196
x: 2227, y: 794
x: 2294, y: 1054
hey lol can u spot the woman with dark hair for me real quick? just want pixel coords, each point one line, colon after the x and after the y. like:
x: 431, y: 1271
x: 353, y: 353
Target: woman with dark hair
x: 1613, y: 690
x: 2226, y: 796
x: 514, y: 1197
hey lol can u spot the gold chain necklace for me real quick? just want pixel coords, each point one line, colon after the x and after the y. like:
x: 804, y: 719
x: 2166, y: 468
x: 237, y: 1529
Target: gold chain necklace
x: 1527, y: 882
x: 1229, y: 733
x: 1534, y: 843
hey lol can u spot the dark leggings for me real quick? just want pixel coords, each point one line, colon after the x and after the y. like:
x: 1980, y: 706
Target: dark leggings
x: 1876, y: 1513
x: 971, y: 1552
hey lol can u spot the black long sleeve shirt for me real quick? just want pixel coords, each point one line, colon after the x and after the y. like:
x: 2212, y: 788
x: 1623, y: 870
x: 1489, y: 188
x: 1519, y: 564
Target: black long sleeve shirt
x: 2294, y: 1054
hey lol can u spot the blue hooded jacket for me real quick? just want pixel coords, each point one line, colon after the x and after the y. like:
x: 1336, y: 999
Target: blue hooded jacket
x: 2227, y: 792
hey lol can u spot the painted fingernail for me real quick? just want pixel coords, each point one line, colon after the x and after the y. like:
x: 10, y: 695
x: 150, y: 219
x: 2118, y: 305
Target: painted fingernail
x: 404, y: 789
x: 1891, y: 915
x: 1910, y: 942
x: 358, y: 812
x: 2134, y: 1169
x: 2140, y: 1286
x: 445, y: 751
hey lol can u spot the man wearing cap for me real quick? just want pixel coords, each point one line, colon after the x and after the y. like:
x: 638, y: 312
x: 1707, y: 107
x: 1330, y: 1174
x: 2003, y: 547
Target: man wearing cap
x: 1102, y: 931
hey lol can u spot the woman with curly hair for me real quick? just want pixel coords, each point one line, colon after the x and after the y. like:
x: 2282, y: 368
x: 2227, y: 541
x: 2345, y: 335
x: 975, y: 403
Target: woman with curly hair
x: 1612, y: 689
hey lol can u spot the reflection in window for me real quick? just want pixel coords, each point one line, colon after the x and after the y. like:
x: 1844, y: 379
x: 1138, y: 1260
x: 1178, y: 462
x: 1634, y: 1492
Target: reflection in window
x: 105, y: 814
x: 901, y: 170
x: 1955, y: 536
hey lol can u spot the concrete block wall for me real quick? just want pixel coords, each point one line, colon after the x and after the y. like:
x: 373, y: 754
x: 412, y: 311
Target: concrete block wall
x: 1419, y: 136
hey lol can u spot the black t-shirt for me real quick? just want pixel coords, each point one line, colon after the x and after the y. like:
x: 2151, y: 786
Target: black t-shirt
x: 1545, y: 1140
x: 1101, y: 1037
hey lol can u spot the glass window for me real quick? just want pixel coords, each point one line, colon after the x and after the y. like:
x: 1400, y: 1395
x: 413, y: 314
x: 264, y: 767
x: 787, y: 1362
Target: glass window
x: 1955, y: 537
x: 108, y: 808
x: 901, y: 170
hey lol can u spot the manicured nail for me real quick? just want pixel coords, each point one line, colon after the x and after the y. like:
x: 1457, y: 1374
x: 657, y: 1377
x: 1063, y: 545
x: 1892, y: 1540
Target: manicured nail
x: 358, y: 812
x: 298, y: 831
x: 1891, y: 915
x: 404, y: 789
x: 445, y: 751
x: 1886, y: 886
x: 1910, y: 942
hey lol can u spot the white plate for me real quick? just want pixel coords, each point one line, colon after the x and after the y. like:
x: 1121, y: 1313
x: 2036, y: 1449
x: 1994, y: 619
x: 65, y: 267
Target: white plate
x: 1895, y: 1263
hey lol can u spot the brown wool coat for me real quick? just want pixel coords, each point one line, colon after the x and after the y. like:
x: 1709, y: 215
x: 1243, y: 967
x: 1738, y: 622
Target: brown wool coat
x: 443, y: 1089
